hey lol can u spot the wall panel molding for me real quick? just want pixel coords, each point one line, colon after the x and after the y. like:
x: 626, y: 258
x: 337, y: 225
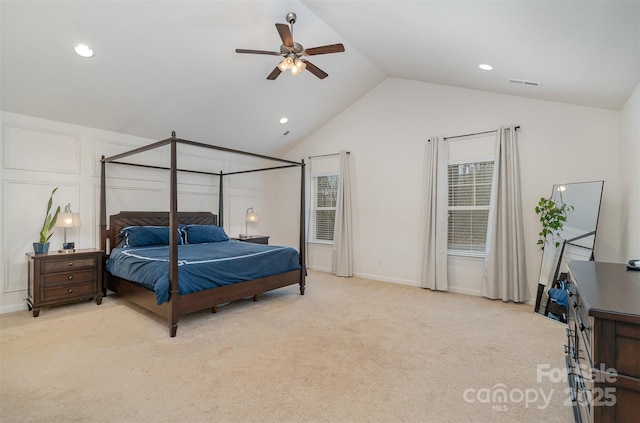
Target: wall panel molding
x: 106, y: 147
x: 21, y: 225
x: 38, y: 149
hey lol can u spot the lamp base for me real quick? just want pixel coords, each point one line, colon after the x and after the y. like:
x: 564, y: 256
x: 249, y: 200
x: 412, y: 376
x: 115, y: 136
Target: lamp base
x: 68, y: 247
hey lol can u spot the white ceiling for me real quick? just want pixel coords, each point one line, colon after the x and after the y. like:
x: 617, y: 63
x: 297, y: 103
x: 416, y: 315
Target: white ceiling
x: 171, y: 65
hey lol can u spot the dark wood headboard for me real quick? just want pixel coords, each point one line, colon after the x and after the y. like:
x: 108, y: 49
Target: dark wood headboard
x: 145, y: 218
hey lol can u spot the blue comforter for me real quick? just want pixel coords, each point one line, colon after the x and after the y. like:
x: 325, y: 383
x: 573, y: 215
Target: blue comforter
x: 201, y: 266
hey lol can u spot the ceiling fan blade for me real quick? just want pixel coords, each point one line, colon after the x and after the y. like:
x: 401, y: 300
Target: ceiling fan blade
x: 285, y: 34
x: 274, y: 73
x: 271, y: 53
x: 316, y: 70
x: 331, y: 48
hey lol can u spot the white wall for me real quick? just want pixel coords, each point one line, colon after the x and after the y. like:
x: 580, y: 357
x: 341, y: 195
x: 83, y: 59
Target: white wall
x: 38, y: 155
x: 386, y: 131
x: 630, y: 177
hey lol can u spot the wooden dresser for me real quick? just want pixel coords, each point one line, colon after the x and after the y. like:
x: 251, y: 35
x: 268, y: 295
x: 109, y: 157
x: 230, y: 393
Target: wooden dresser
x: 57, y: 278
x: 603, y: 342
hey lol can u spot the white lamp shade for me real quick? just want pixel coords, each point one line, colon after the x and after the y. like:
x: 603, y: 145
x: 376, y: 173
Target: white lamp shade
x: 68, y: 220
x: 252, y: 217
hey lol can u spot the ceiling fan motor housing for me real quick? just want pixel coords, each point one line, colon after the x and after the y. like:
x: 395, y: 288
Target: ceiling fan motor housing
x: 297, y: 49
x: 291, y: 18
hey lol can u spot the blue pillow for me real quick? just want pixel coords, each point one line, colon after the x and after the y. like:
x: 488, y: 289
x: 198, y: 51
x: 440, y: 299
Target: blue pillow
x: 142, y: 236
x: 196, y: 234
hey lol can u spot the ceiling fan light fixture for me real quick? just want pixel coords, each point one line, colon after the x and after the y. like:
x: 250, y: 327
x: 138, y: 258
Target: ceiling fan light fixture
x: 288, y: 62
x: 300, y: 64
x: 295, y: 71
x: 282, y: 66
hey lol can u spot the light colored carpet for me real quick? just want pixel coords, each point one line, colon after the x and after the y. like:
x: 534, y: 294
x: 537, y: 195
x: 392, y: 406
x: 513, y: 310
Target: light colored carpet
x: 350, y: 350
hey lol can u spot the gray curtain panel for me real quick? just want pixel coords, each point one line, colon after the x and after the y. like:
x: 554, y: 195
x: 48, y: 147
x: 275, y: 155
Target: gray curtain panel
x: 434, y: 265
x: 342, y: 257
x: 505, y: 273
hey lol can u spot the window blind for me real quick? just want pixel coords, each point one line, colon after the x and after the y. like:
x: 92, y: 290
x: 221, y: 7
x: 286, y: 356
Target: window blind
x: 324, y: 206
x: 469, y: 197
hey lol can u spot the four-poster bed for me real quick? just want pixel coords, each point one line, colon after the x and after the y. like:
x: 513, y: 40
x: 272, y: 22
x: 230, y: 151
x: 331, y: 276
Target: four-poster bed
x: 227, y: 289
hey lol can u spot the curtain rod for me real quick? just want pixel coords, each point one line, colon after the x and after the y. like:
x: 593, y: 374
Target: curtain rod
x: 327, y: 155
x: 477, y: 133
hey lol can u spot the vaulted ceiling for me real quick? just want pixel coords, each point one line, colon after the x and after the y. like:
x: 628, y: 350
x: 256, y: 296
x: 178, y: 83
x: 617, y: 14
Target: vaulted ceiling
x: 171, y: 65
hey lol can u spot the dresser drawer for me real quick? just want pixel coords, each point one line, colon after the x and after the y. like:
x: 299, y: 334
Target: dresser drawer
x: 582, y: 326
x: 66, y: 278
x: 87, y: 289
x: 67, y: 264
x: 627, y: 346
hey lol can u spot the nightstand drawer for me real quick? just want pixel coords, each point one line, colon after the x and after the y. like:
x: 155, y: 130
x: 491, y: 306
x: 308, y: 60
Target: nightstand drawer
x: 66, y: 278
x: 61, y: 265
x: 70, y: 291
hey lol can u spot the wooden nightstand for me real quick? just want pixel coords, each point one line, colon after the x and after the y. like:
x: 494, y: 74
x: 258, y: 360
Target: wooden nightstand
x: 256, y: 239
x: 57, y: 278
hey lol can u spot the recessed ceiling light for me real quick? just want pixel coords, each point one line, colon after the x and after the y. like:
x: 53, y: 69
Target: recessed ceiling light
x: 284, y: 120
x: 484, y: 66
x: 83, y: 50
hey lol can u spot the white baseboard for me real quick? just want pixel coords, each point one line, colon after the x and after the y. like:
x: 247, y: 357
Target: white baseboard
x: 465, y: 291
x: 386, y: 279
x: 319, y: 269
x: 12, y: 308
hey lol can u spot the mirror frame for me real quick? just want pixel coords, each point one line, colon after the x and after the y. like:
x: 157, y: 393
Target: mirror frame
x: 556, y: 254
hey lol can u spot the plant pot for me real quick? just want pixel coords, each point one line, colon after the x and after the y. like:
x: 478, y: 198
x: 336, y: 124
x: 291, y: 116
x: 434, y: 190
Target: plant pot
x: 41, y: 247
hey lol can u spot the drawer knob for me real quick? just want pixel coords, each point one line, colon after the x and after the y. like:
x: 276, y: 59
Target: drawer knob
x: 570, y: 293
x: 70, y: 264
x: 69, y: 290
x: 575, y: 304
x: 70, y: 277
x: 582, y: 327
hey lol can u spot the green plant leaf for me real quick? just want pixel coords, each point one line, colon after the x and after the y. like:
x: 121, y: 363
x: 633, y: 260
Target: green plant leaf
x: 552, y: 216
x: 49, y: 221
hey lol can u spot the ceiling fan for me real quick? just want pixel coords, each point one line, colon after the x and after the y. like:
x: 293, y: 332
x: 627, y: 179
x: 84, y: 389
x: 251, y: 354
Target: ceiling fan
x: 293, y: 52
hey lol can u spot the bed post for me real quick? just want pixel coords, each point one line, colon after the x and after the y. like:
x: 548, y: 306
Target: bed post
x: 103, y: 208
x: 174, y: 298
x: 303, y: 264
x: 220, y: 204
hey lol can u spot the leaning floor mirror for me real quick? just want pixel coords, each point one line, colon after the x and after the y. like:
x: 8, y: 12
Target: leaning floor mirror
x: 575, y: 241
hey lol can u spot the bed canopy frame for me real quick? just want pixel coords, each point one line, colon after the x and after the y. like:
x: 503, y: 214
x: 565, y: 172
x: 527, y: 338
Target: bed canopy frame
x: 183, y: 304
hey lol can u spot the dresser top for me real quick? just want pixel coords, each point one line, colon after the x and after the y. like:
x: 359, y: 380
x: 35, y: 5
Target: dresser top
x: 607, y: 288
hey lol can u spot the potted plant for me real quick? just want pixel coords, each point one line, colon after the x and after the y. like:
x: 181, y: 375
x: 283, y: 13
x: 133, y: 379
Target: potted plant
x: 552, y: 215
x: 42, y: 247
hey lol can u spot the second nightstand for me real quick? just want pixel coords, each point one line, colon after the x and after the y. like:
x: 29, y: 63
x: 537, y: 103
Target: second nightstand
x: 256, y: 239
x: 57, y: 278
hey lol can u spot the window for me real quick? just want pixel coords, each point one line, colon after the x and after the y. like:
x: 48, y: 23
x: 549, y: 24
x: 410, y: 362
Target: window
x: 324, y: 191
x: 469, y: 196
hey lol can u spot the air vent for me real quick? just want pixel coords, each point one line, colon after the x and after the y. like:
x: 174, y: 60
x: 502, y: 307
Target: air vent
x: 523, y: 82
